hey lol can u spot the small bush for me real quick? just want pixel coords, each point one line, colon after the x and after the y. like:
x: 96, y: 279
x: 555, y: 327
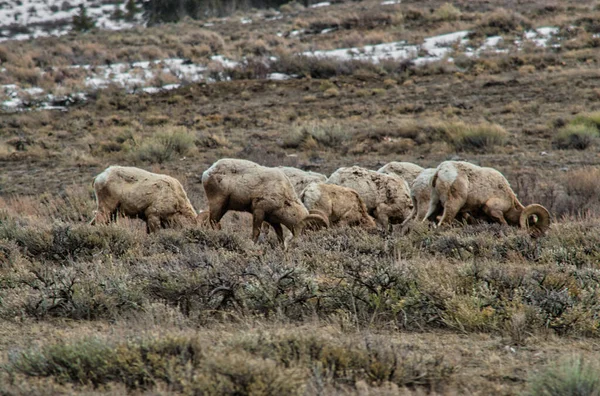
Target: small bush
x: 501, y: 22
x: 92, y: 361
x: 26, y: 75
x: 575, y: 136
x: 326, y: 134
x: 591, y: 119
x: 82, y: 22
x: 321, y: 67
x: 290, y: 7
x: 582, y: 190
x: 572, y: 376
x: 205, y: 37
x: 162, y: 146
x: 479, y: 137
x: 447, y: 12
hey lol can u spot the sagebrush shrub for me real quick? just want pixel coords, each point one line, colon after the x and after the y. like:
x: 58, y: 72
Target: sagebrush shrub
x: 572, y: 376
x: 447, y: 12
x: 475, y: 137
x: 500, y: 22
x: 578, y: 136
x: 164, y: 145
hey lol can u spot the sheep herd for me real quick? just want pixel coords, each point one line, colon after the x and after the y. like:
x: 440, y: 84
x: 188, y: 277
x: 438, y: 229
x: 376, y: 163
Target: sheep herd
x: 397, y: 193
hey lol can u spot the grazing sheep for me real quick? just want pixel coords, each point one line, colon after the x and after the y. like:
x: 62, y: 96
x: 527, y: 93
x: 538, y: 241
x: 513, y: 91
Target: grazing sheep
x: 160, y: 200
x: 386, y: 197
x: 406, y: 170
x: 340, y: 205
x: 234, y: 184
x: 420, y: 192
x: 300, y: 179
x: 460, y: 187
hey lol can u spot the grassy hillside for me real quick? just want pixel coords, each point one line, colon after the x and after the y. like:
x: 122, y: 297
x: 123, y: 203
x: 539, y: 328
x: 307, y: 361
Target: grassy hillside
x: 464, y: 309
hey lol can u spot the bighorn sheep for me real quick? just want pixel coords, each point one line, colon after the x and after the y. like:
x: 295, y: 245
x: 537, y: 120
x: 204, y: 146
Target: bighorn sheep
x: 406, y: 170
x: 158, y: 199
x: 386, y: 197
x: 420, y: 193
x: 234, y: 184
x: 300, y: 179
x: 340, y: 205
x: 460, y: 187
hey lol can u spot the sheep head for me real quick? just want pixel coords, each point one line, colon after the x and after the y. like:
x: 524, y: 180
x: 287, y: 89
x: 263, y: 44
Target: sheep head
x: 295, y: 216
x: 536, y: 219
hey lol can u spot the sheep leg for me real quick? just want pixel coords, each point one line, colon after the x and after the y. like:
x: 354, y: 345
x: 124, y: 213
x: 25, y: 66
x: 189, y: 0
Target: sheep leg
x: 411, y: 216
x: 413, y: 213
x: 265, y: 228
x: 279, y: 232
x: 382, y: 218
x: 106, y: 211
x: 434, y: 206
x: 451, y: 209
x: 217, y: 209
x: 152, y: 223
x: 493, y: 210
x: 258, y: 216
x: 421, y: 210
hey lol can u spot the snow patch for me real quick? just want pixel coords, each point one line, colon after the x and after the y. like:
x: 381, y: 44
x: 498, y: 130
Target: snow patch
x: 540, y: 36
x: 325, y: 31
x: 323, y: 4
x: 279, y: 76
x: 37, y: 15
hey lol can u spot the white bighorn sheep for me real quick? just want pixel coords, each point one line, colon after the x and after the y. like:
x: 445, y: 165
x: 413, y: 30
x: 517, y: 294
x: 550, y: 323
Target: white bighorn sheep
x: 420, y: 193
x: 235, y: 184
x: 386, y: 197
x: 159, y: 200
x: 406, y: 170
x: 460, y: 187
x: 340, y: 205
x: 300, y: 178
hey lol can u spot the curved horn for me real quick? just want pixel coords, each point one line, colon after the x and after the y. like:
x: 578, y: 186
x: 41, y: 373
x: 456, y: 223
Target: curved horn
x: 539, y: 224
x: 321, y: 215
x: 316, y: 218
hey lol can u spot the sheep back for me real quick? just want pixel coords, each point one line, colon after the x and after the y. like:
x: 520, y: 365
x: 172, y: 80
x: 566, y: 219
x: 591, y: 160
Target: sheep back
x: 406, y: 170
x: 136, y: 192
x: 376, y: 189
x: 300, y: 178
x: 340, y: 204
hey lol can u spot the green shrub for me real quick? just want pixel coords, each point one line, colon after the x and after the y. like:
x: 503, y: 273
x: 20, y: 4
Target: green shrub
x: 578, y: 136
x: 591, y: 119
x: 572, y: 376
x: 179, y: 361
x: 447, y: 12
x: 327, y: 134
x: 479, y: 137
x: 93, y: 361
x: 163, y: 146
x: 82, y: 22
x: 265, y: 364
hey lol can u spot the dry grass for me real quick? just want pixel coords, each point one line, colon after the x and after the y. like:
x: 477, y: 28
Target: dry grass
x: 475, y: 279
